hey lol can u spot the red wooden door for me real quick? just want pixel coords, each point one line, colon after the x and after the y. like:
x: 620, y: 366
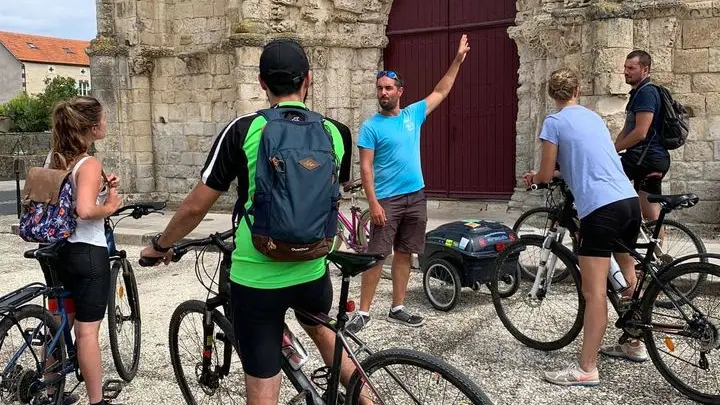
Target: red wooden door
x: 468, y: 143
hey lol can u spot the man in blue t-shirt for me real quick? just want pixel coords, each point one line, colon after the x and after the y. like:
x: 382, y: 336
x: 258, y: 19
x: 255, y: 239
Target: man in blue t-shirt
x: 645, y: 161
x: 389, y: 144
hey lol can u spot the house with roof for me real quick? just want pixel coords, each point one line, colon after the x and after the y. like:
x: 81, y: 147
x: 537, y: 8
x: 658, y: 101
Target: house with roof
x: 27, y: 60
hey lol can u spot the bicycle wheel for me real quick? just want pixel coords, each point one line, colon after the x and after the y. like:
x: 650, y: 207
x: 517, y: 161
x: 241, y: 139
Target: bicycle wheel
x: 18, y: 383
x: 438, y: 369
x: 679, y: 241
x: 124, y: 319
x: 363, y: 236
x: 542, y: 313
x: 665, y: 342
x: 536, y: 221
x: 195, y: 382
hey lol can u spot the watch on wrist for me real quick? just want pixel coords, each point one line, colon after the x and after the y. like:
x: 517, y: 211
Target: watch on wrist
x: 156, y: 244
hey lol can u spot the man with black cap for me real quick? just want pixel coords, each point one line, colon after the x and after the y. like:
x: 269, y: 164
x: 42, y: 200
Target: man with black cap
x: 262, y: 289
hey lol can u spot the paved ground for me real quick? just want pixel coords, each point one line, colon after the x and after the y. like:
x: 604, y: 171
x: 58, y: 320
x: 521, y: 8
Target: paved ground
x: 471, y: 337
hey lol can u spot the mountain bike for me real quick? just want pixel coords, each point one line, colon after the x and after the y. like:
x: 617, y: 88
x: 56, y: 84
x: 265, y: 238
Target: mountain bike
x: 48, y: 346
x: 636, y: 315
x: 539, y: 220
x: 211, y: 365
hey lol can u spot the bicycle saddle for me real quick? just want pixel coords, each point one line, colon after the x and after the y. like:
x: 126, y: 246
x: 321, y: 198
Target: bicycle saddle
x: 43, y: 252
x: 355, y: 185
x: 351, y: 264
x: 675, y: 201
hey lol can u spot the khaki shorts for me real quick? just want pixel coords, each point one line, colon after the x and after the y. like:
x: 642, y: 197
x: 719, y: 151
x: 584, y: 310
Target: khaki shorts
x: 404, y: 229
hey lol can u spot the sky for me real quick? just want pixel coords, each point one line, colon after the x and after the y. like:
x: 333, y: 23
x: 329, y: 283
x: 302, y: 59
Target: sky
x: 72, y: 19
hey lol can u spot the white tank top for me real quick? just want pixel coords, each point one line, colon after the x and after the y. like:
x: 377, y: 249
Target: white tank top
x: 89, y: 231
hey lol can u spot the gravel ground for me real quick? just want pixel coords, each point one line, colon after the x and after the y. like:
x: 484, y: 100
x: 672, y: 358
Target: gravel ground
x: 471, y: 337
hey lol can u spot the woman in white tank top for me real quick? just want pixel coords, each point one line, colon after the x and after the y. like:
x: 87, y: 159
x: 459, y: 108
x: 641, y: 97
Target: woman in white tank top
x: 84, y: 265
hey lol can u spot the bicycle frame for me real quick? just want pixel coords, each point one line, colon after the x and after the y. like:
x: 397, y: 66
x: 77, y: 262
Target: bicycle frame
x: 351, y: 224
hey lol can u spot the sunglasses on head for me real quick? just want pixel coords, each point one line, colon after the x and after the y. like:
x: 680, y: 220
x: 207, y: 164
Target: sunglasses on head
x: 389, y: 73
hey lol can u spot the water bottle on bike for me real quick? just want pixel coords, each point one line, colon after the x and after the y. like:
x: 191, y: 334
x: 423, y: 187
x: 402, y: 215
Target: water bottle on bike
x: 617, y: 280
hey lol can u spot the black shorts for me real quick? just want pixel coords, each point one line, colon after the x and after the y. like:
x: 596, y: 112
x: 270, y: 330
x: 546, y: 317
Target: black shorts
x: 601, y: 228
x: 84, y: 271
x: 638, y: 173
x: 258, y: 317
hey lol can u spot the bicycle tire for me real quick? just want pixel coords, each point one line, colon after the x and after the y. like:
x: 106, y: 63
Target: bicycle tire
x: 699, y: 245
x: 126, y: 372
x: 38, y: 312
x: 647, y: 308
x: 362, y: 239
x: 427, y: 361
x: 558, y: 276
x: 569, y: 260
x: 183, y: 309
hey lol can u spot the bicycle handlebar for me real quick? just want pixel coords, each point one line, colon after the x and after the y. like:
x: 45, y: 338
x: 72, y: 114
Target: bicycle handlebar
x: 141, y: 209
x: 555, y: 181
x: 180, y: 249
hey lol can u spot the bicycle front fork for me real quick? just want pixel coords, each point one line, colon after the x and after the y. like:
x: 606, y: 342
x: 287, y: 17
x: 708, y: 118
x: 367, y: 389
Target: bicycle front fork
x: 547, y: 263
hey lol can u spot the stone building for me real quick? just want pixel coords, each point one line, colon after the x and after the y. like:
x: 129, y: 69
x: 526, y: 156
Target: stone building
x: 174, y: 72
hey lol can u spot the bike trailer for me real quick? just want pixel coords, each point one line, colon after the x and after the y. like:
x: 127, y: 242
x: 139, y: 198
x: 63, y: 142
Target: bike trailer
x: 462, y: 254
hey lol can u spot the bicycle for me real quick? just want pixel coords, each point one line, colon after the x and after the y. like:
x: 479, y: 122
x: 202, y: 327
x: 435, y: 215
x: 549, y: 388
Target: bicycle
x: 357, y: 227
x: 564, y: 216
x: 53, y: 333
x: 327, y: 379
x: 635, y: 315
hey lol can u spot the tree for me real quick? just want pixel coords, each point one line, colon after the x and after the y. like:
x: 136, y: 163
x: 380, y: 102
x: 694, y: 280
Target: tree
x: 31, y: 113
x: 57, y: 89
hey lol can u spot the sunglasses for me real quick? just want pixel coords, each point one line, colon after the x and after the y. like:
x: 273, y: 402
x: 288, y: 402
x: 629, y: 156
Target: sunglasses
x: 391, y: 74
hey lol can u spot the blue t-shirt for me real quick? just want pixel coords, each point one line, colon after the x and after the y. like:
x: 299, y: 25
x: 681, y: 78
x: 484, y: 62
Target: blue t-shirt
x: 396, y: 142
x: 587, y: 158
x: 645, y: 98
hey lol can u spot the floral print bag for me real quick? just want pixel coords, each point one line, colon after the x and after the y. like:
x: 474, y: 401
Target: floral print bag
x: 48, y: 205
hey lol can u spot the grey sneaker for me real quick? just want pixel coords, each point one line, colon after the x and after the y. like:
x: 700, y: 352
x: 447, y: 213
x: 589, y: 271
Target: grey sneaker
x: 403, y: 317
x: 357, y: 323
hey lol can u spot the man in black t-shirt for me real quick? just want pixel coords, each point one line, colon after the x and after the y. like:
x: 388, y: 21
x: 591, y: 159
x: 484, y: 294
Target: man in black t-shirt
x: 640, y: 136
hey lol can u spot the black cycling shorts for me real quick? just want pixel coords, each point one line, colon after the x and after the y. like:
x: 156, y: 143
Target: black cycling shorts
x: 84, y: 271
x: 258, y: 317
x: 638, y: 173
x: 601, y: 228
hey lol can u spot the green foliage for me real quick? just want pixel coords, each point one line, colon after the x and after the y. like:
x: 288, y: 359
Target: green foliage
x: 27, y: 114
x: 32, y: 113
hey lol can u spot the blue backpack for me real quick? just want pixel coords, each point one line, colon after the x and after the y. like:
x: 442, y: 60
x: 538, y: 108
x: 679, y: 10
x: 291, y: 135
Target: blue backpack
x: 297, y: 191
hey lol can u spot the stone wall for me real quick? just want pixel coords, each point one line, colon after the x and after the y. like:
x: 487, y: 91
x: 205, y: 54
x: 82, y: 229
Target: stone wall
x: 31, y: 148
x: 174, y: 73
x: 595, y: 37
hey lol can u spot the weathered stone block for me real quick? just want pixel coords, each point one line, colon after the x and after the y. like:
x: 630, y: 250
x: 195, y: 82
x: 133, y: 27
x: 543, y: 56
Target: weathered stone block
x: 613, y: 33
x: 713, y: 125
x: 145, y: 185
x: 706, y: 82
x: 662, y: 59
x: 144, y: 158
x: 690, y: 60
x: 663, y: 32
x: 140, y: 111
x: 706, y: 190
x: 695, y: 103
x: 609, y: 60
x: 714, y: 59
x: 611, y: 105
x: 698, y: 151
x: 341, y: 58
x: 711, y: 171
x: 160, y: 111
x: 699, y: 129
x: 248, y: 56
x: 610, y: 83
x: 223, y: 81
x: 143, y: 143
x: 701, y: 33
x: 686, y: 170
x: 676, y: 83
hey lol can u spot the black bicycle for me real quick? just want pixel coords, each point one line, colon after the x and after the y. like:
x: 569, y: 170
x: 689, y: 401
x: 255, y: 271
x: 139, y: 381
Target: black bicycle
x: 677, y: 239
x: 664, y: 333
x: 210, y: 357
x: 124, y: 301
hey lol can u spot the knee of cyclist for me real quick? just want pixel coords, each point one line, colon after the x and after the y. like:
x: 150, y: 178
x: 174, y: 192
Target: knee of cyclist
x: 594, y: 294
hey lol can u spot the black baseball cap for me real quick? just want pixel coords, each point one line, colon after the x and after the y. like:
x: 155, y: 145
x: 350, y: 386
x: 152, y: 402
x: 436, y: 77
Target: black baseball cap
x: 283, y: 61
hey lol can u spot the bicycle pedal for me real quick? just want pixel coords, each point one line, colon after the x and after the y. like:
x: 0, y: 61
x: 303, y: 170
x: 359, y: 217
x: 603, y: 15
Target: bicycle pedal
x: 112, y: 388
x: 300, y: 398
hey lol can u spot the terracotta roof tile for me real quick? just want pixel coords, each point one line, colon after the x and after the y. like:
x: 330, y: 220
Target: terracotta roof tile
x: 46, y: 50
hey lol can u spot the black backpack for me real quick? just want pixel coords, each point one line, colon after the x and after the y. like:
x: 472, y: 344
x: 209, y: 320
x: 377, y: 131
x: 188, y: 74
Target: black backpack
x: 675, y: 121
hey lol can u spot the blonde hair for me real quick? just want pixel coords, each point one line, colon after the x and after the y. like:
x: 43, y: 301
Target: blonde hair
x: 72, y: 121
x: 563, y: 83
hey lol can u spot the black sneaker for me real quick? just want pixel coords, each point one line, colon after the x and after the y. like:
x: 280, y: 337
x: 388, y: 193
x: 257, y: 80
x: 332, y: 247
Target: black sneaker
x: 68, y: 399
x: 357, y: 323
x: 402, y: 317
